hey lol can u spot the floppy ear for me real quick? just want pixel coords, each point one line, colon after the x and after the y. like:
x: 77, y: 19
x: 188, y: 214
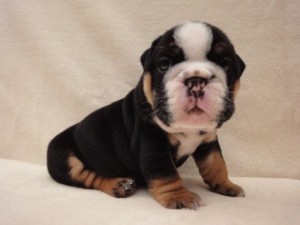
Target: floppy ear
x: 146, y: 56
x: 241, y: 64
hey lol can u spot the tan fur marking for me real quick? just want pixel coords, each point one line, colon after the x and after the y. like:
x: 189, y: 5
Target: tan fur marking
x: 171, y: 194
x: 172, y: 139
x: 76, y: 168
x: 90, y: 179
x: 78, y: 173
x: 213, y: 168
x: 147, y: 88
x: 105, y: 184
x: 209, y: 137
x: 84, y: 174
x: 165, y: 187
x: 214, y: 172
x: 236, y: 88
x: 113, y: 187
x: 97, y: 183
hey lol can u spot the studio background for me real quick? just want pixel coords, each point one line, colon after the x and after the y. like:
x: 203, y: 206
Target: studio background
x: 61, y: 60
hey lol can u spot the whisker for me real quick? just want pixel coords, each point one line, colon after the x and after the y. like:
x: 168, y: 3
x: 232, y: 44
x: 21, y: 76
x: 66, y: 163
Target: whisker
x: 161, y: 98
x: 155, y: 111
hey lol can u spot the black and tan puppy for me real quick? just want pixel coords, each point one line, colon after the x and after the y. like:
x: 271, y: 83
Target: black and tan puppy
x: 191, y: 76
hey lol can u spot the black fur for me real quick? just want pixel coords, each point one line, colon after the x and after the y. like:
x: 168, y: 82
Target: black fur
x: 121, y: 139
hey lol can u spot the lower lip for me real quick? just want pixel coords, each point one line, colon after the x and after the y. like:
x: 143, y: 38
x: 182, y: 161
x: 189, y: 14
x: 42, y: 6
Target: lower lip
x: 196, y: 111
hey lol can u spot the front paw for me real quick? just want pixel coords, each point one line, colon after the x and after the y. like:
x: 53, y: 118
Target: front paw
x: 180, y: 199
x: 228, y: 189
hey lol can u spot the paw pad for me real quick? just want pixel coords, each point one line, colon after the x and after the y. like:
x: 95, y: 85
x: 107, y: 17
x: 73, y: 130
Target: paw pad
x: 125, y: 187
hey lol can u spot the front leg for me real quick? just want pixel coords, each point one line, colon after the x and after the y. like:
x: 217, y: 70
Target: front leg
x: 170, y: 193
x: 213, y: 169
x: 159, y: 171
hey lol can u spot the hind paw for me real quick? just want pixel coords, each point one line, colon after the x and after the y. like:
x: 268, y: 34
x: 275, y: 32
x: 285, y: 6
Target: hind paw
x: 124, y: 187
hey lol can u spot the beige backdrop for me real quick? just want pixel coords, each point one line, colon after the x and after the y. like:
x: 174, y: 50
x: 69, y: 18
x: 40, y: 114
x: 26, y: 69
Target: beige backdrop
x: 60, y: 60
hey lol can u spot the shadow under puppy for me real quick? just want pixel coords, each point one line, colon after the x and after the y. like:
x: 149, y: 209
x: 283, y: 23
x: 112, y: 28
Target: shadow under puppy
x: 187, y: 90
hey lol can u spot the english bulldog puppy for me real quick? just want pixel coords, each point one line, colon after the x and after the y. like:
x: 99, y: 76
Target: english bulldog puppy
x: 186, y: 92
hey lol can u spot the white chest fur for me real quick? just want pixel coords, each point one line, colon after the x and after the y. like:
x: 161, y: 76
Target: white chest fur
x: 188, y: 143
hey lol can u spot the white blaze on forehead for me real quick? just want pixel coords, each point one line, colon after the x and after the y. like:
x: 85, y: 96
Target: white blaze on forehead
x: 195, y: 39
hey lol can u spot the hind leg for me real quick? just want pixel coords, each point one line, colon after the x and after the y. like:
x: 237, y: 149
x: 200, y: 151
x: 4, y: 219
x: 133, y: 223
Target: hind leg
x: 66, y: 168
x: 117, y: 187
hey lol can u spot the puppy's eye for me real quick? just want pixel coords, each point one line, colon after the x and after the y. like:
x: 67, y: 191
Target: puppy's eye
x: 226, y: 64
x: 164, y: 64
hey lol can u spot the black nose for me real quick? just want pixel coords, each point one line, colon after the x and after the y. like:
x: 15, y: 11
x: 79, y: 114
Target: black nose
x: 195, y: 86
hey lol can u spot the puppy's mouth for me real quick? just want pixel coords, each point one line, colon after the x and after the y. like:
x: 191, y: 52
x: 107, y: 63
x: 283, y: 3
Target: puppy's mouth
x: 193, y: 103
x: 195, y: 111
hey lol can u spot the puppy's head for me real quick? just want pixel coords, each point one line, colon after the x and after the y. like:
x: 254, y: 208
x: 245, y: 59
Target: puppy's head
x: 191, y: 76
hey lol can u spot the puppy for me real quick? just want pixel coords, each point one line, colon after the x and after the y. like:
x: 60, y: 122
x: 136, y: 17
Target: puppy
x: 186, y: 92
